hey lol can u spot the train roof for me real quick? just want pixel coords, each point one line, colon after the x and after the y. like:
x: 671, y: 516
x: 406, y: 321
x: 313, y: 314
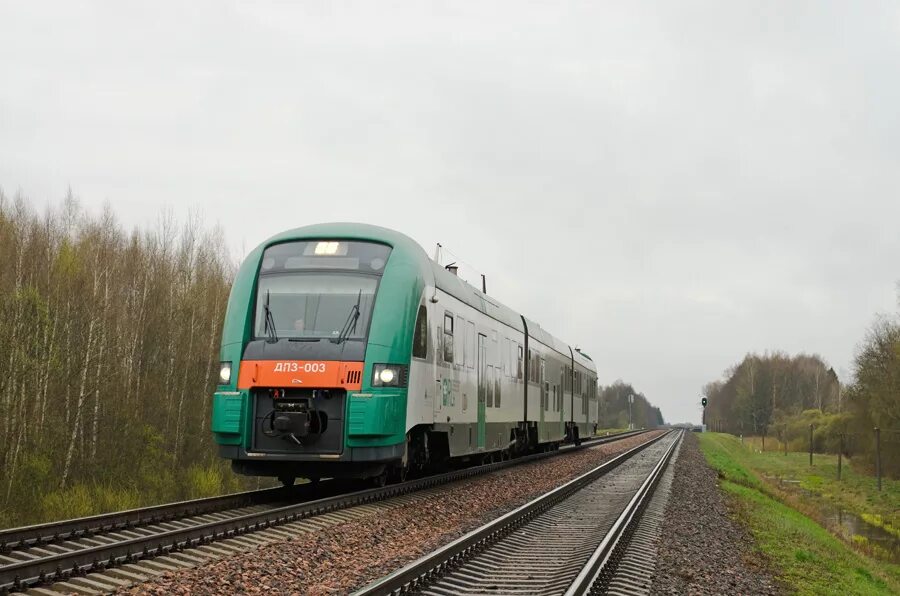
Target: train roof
x: 546, y: 338
x: 450, y: 283
x: 466, y: 292
x: 584, y: 360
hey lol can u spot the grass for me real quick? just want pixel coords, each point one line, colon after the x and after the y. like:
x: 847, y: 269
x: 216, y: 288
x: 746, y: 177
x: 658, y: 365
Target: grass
x: 610, y: 431
x: 808, y: 558
x: 856, y: 491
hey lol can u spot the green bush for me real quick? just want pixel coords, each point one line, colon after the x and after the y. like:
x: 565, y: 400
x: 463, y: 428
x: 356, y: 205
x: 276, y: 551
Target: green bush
x: 204, y: 481
x: 82, y: 500
x: 826, y: 430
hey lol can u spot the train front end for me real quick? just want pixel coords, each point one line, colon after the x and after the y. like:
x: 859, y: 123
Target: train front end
x: 315, y: 355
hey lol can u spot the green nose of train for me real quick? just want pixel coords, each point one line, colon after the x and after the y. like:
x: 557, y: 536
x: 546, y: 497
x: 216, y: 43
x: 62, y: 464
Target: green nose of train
x: 347, y: 352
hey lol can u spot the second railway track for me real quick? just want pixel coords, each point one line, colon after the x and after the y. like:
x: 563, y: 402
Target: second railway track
x: 71, y: 549
x: 569, y: 541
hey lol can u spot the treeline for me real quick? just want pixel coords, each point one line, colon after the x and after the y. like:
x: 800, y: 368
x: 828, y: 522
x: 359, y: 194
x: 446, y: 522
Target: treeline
x: 109, y: 342
x: 781, y: 396
x: 762, y: 389
x: 108, y: 353
x: 614, y: 408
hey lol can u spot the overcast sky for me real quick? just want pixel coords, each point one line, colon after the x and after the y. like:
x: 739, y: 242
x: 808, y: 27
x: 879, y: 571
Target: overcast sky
x: 667, y: 185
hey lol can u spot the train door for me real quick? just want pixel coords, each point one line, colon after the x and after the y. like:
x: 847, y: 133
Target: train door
x: 482, y: 390
x: 562, y: 384
x: 422, y: 374
x: 443, y: 358
x: 542, y: 425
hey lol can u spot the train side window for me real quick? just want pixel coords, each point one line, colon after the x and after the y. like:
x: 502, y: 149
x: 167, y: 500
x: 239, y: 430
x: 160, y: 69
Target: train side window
x: 470, y: 345
x: 496, y: 388
x: 460, y: 352
x: 519, y: 363
x: 504, y: 356
x: 448, y: 337
x: 420, y: 337
x: 496, y: 356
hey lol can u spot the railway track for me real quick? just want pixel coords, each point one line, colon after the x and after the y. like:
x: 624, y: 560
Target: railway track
x: 155, y: 538
x: 572, y: 540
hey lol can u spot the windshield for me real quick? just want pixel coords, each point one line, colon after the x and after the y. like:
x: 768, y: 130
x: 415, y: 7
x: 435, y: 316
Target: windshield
x: 314, y: 305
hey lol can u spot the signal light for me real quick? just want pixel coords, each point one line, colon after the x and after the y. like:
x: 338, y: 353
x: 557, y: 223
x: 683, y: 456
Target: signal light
x: 703, y: 402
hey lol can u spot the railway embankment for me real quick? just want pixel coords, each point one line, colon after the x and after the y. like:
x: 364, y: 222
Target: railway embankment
x: 341, y: 555
x: 777, y: 523
x: 704, y: 550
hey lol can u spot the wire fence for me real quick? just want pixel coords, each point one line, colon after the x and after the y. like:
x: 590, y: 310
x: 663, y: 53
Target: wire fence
x: 849, y: 443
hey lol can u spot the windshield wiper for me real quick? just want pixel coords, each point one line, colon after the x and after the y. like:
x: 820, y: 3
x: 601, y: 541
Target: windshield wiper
x: 350, y: 324
x: 270, y: 320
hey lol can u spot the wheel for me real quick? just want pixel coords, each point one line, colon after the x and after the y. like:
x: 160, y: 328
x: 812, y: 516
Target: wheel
x: 287, y: 481
x: 380, y: 480
x: 401, y: 473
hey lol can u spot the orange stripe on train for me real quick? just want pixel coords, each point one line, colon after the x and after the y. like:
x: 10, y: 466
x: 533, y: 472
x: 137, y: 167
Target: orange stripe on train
x: 315, y: 374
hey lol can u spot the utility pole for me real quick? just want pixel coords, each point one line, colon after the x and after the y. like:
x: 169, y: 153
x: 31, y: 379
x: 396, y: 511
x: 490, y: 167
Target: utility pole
x: 840, y: 454
x: 878, y: 456
x: 630, y: 422
x: 810, y: 444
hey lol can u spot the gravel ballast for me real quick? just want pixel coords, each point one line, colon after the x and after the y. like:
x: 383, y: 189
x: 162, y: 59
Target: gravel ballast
x: 703, y: 550
x: 347, y: 556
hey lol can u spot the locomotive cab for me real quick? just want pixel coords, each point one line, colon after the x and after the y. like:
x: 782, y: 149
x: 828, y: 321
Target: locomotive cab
x: 300, y: 359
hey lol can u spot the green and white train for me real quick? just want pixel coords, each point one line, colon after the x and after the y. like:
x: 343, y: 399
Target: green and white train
x: 348, y: 352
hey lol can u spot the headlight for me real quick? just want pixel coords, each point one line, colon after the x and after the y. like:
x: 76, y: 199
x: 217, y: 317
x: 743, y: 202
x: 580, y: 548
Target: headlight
x: 224, y: 373
x: 389, y: 375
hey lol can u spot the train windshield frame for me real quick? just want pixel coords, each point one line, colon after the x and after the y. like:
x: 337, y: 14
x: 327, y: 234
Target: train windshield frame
x: 315, y: 305
x: 317, y: 290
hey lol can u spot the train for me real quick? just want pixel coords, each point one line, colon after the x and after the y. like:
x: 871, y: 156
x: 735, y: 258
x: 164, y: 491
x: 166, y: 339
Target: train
x: 348, y: 353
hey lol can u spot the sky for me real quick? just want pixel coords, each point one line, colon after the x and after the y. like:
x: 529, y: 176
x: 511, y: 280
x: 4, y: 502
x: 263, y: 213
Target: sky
x: 666, y: 185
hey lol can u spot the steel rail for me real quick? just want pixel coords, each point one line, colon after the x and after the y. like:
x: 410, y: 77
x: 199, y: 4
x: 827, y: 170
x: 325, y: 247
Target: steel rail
x: 38, y: 534
x: 420, y: 572
x: 601, y: 566
x: 60, y: 566
x: 14, y: 538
